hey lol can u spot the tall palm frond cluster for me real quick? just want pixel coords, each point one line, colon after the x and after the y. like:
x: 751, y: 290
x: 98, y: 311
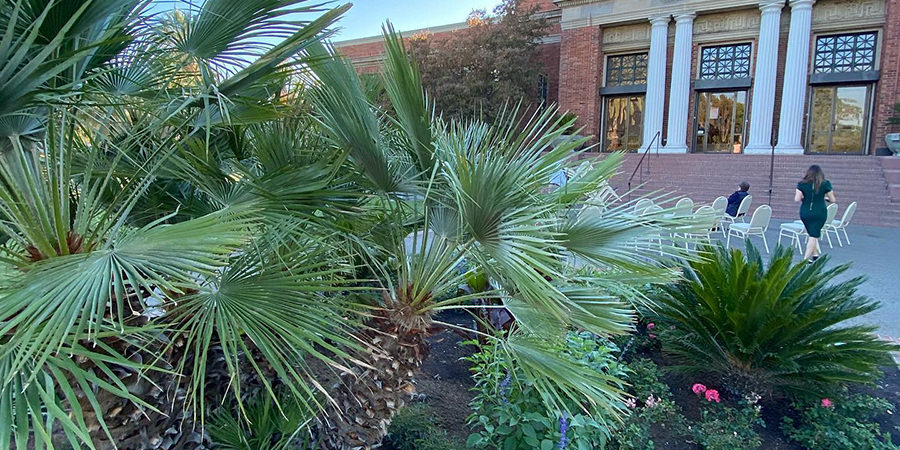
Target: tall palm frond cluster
x: 201, y: 206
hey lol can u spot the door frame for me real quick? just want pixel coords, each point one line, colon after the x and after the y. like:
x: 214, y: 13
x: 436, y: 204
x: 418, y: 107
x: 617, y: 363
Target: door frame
x: 604, y: 115
x: 696, y: 116
x: 867, y: 119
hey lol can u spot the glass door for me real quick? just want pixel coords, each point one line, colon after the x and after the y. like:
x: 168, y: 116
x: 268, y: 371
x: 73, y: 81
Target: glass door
x: 721, y: 120
x: 623, y: 123
x: 838, y: 118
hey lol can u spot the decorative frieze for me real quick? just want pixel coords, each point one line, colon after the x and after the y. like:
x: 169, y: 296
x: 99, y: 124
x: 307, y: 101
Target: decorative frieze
x: 844, y: 12
x: 626, y: 37
x: 727, y: 26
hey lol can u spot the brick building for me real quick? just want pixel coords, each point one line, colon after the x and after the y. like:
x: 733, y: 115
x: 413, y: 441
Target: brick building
x: 717, y: 76
x: 717, y: 82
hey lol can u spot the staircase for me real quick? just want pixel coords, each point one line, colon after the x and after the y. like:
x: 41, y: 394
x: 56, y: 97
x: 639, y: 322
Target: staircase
x: 872, y: 182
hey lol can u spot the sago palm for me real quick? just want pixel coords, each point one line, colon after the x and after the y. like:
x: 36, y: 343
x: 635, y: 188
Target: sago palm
x: 772, y: 327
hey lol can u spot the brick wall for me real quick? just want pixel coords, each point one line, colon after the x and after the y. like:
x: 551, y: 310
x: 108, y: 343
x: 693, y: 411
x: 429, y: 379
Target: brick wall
x: 548, y: 58
x: 580, y: 62
x: 888, y: 90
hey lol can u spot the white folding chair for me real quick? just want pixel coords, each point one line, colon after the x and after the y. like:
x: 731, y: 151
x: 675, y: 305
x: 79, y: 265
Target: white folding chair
x: 607, y: 194
x: 830, y: 214
x: 829, y: 219
x: 641, y: 205
x: 650, y: 211
x: 794, y: 231
x: 758, y: 226
x: 706, y: 222
x: 742, y: 211
x: 720, y: 204
x: 683, y: 207
x: 837, y: 226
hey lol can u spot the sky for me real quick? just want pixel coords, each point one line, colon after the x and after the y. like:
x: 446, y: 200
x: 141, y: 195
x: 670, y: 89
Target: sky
x: 366, y: 16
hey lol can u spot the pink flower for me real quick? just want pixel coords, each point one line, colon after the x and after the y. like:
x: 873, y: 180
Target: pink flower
x: 651, y: 336
x: 630, y: 403
x: 827, y: 403
x: 651, y: 326
x: 698, y: 388
x: 651, y: 401
x: 712, y: 395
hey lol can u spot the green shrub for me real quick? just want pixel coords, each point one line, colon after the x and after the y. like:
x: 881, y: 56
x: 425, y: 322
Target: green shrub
x: 780, y: 327
x: 266, y: 427
x: 843, y: 424
x: 509, y: 413
x: 415, y: 428
x: 646, y: 380
x: 725, y: 428
x: 651, y: 404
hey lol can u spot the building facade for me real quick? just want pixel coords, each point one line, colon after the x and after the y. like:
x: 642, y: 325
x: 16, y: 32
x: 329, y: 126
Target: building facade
x: 717, y: 76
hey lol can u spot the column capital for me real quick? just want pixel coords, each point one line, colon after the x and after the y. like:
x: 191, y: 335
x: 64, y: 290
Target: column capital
x: 771, y: 6
x: 685, y: 17
x: 662, y: 20
x: 802, y: 4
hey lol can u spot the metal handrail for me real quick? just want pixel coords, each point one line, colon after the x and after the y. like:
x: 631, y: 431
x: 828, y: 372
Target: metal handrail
x: 641, y: 161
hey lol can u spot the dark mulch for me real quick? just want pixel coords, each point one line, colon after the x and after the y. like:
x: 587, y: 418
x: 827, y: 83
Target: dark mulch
x: 444, y: 380
x: 888, y: 388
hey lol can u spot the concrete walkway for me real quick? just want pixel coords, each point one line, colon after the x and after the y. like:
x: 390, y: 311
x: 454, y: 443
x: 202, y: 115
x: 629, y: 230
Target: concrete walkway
x: 875, y: 253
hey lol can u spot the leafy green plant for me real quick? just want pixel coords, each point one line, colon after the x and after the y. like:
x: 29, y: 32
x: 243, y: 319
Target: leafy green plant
x: 651, y: 403
x: 509, y: 412
x: 269, y: 425
x: 843, y: 423
x: 646, y: 380
x: 568, y: 120
x: 726, y: 428
x: 415, y: 428
x: 771, y: 327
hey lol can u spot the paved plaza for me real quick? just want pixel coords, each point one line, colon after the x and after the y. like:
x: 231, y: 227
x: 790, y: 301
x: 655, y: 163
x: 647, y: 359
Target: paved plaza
x: 875, y: 253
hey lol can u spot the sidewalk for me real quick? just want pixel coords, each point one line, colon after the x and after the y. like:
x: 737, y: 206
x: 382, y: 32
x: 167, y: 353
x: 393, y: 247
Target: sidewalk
x: 875, y: 253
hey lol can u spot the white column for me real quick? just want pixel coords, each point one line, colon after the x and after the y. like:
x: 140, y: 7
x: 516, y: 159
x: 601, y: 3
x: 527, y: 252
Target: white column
x: 796, y: 67
x: 655, y: 100
x: 762, y: 106
x: 680, y: 91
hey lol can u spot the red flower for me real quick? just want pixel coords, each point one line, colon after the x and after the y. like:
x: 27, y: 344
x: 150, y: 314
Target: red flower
x: 651, y: 326
x: 827, y: 403
x: 712, y: 395
x: 698, y: 388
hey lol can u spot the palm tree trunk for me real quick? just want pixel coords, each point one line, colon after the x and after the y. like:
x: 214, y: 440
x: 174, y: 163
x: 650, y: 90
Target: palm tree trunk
x: 368, y: 398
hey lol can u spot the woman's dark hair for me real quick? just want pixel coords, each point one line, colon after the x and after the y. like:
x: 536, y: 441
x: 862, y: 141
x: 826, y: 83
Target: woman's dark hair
x: 745, y: 186
x: 814, y: 176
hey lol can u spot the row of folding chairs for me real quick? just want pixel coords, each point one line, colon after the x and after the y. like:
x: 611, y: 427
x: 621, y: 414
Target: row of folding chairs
x: 796, y: 230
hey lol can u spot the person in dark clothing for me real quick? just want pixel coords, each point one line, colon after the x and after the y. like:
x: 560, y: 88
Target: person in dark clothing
x: 813, y: 191
x: 734, y: 201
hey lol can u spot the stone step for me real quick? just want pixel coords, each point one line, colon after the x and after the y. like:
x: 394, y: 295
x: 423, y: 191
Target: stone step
x: 873, y: 182
x: 890, y: 162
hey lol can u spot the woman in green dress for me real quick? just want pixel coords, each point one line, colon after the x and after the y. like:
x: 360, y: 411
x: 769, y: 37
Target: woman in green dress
x: 813, y: 191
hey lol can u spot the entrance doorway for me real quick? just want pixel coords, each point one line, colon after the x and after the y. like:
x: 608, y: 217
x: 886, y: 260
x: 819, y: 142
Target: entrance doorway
x: 721, y: 121
x: 838, y: 118
x: 623, y: 123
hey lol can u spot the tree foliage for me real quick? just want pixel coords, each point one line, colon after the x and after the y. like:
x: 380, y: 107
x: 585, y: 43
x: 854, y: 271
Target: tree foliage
x: 476, y: 70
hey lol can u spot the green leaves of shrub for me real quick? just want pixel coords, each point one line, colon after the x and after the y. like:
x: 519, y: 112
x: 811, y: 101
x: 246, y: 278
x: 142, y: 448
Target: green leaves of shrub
x: 776, y: 327
x: 415, y: 428
x: 848, y: 424
x: 509, y: 413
